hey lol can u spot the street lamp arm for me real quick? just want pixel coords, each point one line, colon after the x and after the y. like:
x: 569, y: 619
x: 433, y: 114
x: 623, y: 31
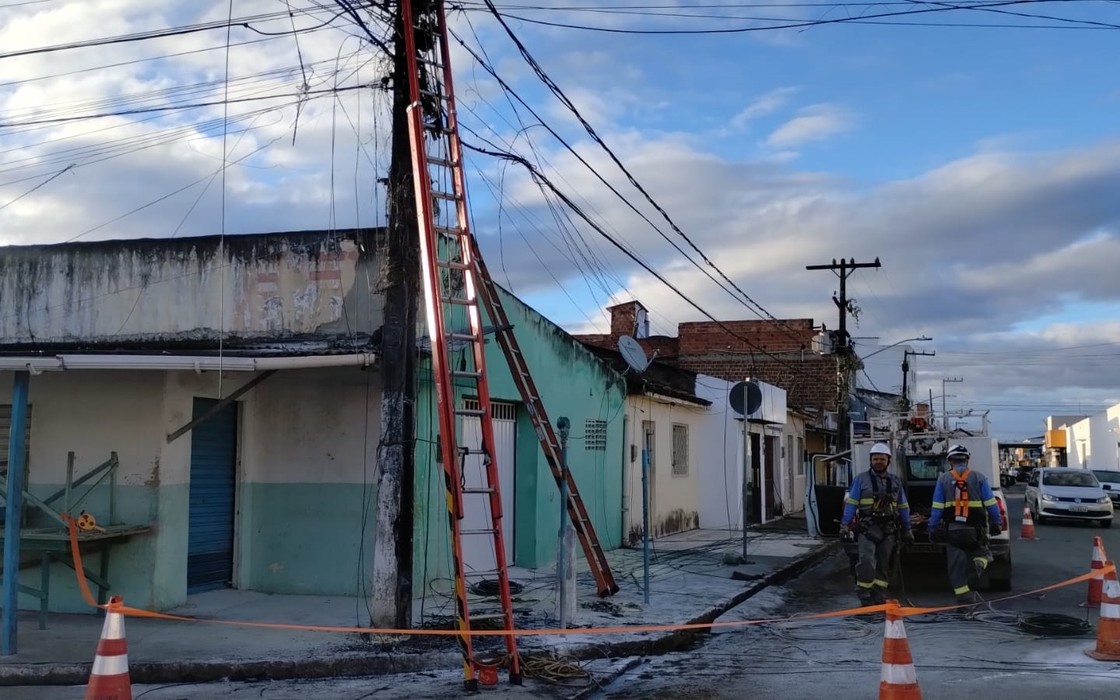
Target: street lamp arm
x: 888, y: 347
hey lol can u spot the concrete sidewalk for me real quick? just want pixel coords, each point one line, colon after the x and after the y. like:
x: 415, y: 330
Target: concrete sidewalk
x: 689, y: 583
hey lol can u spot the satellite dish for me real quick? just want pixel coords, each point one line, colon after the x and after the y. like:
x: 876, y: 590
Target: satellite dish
x: 745, y: 398
x: 633, y: 353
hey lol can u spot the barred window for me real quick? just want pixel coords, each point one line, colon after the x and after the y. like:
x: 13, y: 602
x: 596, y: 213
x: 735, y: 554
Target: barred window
x: 595, y: 434
x: 680, y: 449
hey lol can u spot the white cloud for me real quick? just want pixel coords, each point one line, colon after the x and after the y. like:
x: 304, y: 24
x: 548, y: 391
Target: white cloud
x: 762, y: 106
x: 813, y: 123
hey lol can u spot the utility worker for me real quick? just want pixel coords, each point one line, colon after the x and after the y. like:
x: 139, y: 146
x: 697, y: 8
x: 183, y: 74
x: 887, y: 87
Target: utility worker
x: 875, y: 510
x: 961, y: 498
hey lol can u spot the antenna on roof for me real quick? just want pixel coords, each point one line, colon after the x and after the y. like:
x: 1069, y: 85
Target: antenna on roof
x: 633, y: 353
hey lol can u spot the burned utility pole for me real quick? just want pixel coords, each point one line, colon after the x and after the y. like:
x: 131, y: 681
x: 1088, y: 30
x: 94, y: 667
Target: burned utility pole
x: 842, y: 348
x: 906, y: 375
x: 391, y: 594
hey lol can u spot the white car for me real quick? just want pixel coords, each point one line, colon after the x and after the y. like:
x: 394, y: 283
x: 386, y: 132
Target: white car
x: 1068, y: 494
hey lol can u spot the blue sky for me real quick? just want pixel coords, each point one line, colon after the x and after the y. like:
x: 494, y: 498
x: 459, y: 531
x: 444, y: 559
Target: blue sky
x: 981, y: 165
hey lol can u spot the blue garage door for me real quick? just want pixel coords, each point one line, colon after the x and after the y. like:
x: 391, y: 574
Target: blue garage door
x: 213, y: 478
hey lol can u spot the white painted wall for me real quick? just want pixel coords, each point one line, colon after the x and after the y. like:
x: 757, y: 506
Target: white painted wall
x: 1093, y: 441
x: 721, y: 475
x: 721, y: 465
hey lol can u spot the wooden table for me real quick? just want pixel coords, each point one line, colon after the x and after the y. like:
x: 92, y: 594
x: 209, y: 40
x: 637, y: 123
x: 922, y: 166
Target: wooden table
x: 53, y: 545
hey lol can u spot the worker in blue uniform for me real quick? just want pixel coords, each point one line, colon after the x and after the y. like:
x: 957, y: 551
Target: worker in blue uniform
x: 965, y: 516
x: 875, y: 512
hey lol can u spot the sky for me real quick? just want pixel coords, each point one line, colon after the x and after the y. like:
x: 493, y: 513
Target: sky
x: 973, y: 150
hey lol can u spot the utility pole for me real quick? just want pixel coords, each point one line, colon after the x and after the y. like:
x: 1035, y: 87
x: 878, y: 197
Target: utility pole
x: 944, y: 414
x: 391, y: 588
x: 843, y: 347
x: 906, y: 374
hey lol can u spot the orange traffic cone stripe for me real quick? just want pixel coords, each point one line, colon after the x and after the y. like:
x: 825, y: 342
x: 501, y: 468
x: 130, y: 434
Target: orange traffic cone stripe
x: 1095, y: 584
x: 1027, y: 530
x: 897, y: 679
x: 109, y: 679
x: 1108, y: 626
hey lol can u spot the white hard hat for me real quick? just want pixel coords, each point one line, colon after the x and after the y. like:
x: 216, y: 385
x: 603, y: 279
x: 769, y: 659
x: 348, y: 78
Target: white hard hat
x: 880, y: 448
x: 957, y: 451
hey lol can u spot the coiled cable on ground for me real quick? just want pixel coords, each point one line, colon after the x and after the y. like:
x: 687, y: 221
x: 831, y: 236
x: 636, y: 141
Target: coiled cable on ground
x: 1053, y: 625
x: 554, y: 669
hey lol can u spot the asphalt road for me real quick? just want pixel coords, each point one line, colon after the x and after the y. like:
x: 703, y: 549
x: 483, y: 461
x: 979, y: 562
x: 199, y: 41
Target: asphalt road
x: 957, y: 655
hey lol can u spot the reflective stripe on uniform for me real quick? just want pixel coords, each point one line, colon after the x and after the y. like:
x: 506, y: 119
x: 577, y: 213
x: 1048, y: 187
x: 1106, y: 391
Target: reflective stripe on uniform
x: 851, y: 501
x: 880, y: 583
x: 981, y: 561
x: 939, y: 505
x: 864, y: 584
x: 961, y: 590
x: 989, y: 502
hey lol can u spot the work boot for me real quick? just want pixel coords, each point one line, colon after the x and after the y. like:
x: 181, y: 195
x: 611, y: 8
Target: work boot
x: 968, y: 598
x: 878, y: 596
x: 865, y: 597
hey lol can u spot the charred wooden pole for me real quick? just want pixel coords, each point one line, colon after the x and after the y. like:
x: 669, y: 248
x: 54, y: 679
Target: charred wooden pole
x: 391, y: 604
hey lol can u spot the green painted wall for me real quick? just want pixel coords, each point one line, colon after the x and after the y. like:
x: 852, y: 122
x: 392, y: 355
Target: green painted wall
x: 305, y: 538
x: 573, y: 383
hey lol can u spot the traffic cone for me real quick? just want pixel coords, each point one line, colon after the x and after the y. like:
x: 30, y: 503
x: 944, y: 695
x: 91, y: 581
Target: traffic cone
x: 1027, y: 531
x: 897, y: 680
x: 1095, y: 584
x: 109, y: 679
x: 1108, y: 625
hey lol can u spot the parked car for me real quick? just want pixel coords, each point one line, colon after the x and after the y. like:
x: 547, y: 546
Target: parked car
x: 1068, y: 494
x: 1110, y: 482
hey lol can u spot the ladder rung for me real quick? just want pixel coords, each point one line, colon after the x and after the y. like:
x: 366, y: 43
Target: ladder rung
x: 450, y: 265
x: 461, y: 301
x: 437, y: 95
x: 442, y: 162
x: 465, y: 373
x: 478, y: 490
x: 483, y: 531
x: 450, y: 196
x: 449, y: 232
x: 463, y: 336
x: 469, y: 412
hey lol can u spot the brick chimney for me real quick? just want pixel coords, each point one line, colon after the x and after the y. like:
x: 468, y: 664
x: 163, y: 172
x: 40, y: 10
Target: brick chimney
x: 629, y: 318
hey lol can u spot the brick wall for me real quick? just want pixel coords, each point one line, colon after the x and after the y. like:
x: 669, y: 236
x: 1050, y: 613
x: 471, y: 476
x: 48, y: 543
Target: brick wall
x: 776, y: 352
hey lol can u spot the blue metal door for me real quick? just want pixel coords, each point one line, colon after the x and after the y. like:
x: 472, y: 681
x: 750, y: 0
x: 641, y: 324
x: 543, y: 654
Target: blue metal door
x: 213, y: 478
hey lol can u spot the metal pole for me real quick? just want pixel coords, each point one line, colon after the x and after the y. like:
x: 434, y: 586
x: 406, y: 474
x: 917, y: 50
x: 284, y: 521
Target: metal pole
x: 645, y: 515
x: 17, y: 447
x: 563, y: 425
x: 746, y: 482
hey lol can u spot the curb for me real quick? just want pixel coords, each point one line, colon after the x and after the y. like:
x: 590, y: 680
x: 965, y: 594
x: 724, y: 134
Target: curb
x: 384, y: 663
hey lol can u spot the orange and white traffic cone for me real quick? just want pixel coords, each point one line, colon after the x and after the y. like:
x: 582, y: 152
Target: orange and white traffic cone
x: 1027, y: 531
x: 897, y: 680
x: 1095, y: 584
x: 109, y: 679
x: 1108, y: 626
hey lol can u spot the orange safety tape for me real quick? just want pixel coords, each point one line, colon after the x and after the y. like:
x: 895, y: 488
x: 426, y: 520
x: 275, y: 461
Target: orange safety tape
x: 674, y: 627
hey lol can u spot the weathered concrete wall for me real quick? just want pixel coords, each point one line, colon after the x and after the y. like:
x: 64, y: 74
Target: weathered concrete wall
x: 266, y: 287
x: 306, y: 476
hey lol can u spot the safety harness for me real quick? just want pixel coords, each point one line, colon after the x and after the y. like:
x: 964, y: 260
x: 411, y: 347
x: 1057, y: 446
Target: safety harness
x: 960, y: 503
x: 884, y: 507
